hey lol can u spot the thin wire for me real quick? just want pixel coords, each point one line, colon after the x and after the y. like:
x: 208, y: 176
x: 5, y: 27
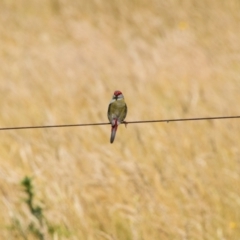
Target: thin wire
x: 131, y: 122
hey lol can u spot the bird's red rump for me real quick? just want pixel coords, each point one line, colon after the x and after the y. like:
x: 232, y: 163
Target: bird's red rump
x: 114, y: 123
x: 117, y: 93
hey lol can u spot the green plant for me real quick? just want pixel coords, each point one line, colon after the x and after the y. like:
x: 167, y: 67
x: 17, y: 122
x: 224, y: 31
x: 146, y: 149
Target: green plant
x: 39, y: 228
x: 36, y: 211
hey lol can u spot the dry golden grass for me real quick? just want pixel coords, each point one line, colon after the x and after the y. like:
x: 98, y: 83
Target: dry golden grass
x: 60, y: 62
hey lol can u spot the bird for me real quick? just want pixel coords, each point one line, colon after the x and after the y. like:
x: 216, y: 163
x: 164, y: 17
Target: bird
x: 117, y: 111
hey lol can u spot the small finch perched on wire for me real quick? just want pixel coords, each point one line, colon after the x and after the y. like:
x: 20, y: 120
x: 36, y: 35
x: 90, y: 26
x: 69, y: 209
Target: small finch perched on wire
x: 117, y: 111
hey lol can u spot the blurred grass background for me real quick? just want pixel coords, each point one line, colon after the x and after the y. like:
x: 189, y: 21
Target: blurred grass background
x: 60, y: 62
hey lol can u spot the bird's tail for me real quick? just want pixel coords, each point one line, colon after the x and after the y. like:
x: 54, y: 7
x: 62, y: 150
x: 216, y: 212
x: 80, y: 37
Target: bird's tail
x: 114, y: 130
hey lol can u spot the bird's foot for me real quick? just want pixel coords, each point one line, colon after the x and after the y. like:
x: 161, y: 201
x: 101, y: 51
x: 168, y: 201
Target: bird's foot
x: 125, y: 123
